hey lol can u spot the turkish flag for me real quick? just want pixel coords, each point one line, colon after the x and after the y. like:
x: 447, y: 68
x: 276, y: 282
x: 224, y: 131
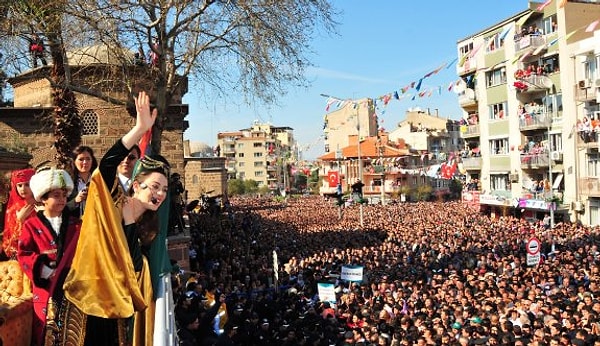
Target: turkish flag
x: 333, y: 178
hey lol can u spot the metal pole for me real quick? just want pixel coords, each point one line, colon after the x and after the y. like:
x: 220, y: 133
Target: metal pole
x: 360, y: 170
x: 549, y: 122
x: 381, y: 149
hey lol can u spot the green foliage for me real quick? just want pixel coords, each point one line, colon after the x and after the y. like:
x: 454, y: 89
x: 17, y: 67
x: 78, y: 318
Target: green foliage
x: 250, y: 186
x: 422, y: 192
x: 235, y: 187
x: 264, y: 190
x: 455, y: 188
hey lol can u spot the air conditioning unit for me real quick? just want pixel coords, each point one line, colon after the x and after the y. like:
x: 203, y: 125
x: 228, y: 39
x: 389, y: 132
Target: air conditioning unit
x: 556, y: 156
x: 578, y: 206
x: 514, y: 178
x: 597, y: 83
x: 584, y: 84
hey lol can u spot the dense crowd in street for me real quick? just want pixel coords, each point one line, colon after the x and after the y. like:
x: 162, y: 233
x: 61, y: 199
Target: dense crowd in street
x: 434, y: 274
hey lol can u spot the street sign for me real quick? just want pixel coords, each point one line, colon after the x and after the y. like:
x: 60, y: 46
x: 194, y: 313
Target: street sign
x: 533, y: 252
x: 533, y: 246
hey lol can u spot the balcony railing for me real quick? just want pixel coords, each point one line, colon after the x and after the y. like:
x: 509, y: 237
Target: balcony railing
x: 534, y: 161
x: 584, y: 92
x: 468, y: 97
x: 468, y: 131
x: 469, y: 64
x: 529, y: 41
x: 471, y: 163
x: 535, y: 121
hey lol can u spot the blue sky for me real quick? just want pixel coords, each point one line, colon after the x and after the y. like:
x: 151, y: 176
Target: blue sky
x: 381, y: 46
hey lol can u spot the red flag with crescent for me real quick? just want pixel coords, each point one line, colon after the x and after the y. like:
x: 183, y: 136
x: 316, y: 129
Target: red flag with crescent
x: 333, y: 178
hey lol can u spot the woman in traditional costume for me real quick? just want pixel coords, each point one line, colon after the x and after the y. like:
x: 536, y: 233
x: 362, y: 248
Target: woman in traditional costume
x: 121, y: 252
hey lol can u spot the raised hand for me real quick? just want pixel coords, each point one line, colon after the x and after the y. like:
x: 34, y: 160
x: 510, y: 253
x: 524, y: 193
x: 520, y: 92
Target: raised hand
x: 144, y: 117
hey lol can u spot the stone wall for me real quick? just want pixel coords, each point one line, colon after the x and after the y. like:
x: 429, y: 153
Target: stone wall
x: 203, y: 175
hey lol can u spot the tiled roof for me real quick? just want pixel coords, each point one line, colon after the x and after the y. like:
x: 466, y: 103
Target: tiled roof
x: 368, y: 148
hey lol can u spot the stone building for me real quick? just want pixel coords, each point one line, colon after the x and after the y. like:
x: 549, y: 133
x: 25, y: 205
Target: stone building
x: 204, y: 173
x: 28, y: 125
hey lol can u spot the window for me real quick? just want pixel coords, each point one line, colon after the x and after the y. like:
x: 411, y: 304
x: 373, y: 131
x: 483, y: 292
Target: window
x: 258, y: 154
x: 590, y: 67
x: 496, y: 77
x: 240, y: 154
x: 554, y: 105
x: 499, y: 182
x: 465, y: 49
x: 89, y: 123
x: 593, y: 165
x: 493, y: 43
x: 194, y: 179
x: 241, y: 164
x: 240, y: 145
x: 499, y: 146
x: 550, y: 24
x: 257, y: 145
x: 242, y: 175
x: 556, y: 142
x: 259, y: 173
x: 498, y: 111
x: 258, y: 164
x: 550, y: 64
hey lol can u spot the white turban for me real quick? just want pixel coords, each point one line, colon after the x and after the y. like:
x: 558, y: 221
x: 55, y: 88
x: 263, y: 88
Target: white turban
x: 48, y: 179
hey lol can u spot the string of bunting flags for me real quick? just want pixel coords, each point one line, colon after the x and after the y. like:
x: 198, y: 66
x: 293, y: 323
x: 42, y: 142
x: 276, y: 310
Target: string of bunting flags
x: 414, y: 89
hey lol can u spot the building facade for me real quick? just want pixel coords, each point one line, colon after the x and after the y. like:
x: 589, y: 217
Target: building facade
x: 353, y: 117
x: 525, y: 84
x: 262, y: 153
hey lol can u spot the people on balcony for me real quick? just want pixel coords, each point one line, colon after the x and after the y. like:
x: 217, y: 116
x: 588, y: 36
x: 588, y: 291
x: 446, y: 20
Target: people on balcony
x: 587, y: 130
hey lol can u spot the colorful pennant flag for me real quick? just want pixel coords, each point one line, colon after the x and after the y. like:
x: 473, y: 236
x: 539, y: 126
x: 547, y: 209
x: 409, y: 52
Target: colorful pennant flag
x: 542, y: 6
x: 592, y: 25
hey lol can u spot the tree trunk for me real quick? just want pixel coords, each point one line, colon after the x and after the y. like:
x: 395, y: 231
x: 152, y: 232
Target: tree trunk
x: 67, y: 124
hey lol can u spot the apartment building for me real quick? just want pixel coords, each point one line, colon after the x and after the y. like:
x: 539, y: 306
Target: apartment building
x: 526, y: 84
x: 353, y: 117
x: 262, y: 153
x: 428, y: 133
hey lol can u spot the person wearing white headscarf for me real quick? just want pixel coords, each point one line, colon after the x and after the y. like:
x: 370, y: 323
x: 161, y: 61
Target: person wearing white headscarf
x: 44, y: 238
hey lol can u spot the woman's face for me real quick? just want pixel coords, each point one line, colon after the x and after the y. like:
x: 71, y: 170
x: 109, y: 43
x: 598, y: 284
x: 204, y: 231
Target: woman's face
x: 152, y: 190
x: 24, y: 190
x: 83, y: 162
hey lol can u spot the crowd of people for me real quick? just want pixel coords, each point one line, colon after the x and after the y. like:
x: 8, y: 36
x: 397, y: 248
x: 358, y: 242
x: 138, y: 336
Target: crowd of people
x: 434, y: 274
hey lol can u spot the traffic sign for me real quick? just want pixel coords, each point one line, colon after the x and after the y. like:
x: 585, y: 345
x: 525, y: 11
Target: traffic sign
x: 533, y: 246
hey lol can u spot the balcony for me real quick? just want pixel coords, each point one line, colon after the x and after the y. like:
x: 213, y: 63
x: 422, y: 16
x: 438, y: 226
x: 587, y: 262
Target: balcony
x: 470, y: 131
x: 228, y: 150
x: 584, y: 91
x: 472, y: 163
x: 534, y: 161
x: 469, y: 64
x: 529, y: 41
x: 534, y: 121
x: 467, y: 98
x: 532, y: 83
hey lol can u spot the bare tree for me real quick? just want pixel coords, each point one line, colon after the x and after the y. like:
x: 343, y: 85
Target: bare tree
x: 249, y: 47
x: 19, y: 21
